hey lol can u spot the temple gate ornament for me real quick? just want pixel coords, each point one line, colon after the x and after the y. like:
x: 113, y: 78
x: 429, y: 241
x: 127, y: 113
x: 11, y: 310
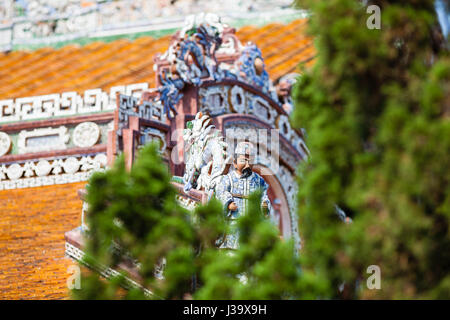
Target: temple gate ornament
x: 284, y: 88
x: 43, y: 172
x: 207, y: 83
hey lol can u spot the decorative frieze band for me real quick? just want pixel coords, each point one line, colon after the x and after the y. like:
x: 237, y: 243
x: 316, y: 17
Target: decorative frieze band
x: 83, y: 135
x: 65, y: 104
x: 223, y: 99
x: 49, y: 172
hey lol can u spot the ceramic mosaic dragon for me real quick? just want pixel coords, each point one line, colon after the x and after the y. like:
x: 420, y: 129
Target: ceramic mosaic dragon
x: 192, y: 58
x: 206, y: 155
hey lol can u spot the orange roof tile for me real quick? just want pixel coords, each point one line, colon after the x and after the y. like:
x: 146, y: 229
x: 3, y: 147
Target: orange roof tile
x: 122, y: 62
x: 32, y: 227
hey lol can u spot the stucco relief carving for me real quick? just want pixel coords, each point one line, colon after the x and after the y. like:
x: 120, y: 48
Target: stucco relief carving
x: 261, y: 108
x: 42, y: 168
x: 14, y: 171
x: 129, y: 106
x: 282, y: 123
x: 5, y: 143
x: 86, y: 134
x: 287, y: 181
x: 71, y: 165
x: 43, y: 139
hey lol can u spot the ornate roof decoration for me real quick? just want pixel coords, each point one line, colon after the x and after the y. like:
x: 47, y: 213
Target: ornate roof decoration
x: 192, y: 59
x: 206, y: 154
x: 252, y: 68
x: 207, y: 50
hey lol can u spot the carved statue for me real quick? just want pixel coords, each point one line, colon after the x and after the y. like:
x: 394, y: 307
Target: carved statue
x: 235, y: 188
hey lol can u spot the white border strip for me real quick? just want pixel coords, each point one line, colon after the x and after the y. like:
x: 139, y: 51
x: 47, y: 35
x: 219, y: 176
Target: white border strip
x: 77, y: 255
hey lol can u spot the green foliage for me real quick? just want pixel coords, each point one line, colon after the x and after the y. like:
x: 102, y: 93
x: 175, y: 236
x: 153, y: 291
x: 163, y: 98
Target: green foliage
x: 134, y: 217
x: 264, y: 267
x: 130, y: 215
x: 376, y: 110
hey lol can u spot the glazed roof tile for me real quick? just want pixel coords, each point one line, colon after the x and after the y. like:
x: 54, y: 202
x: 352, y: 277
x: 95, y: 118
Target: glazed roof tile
x: 32, y: 227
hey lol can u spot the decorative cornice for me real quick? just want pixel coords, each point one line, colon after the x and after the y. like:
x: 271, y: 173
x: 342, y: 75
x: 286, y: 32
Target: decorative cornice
x: 24, y: 125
